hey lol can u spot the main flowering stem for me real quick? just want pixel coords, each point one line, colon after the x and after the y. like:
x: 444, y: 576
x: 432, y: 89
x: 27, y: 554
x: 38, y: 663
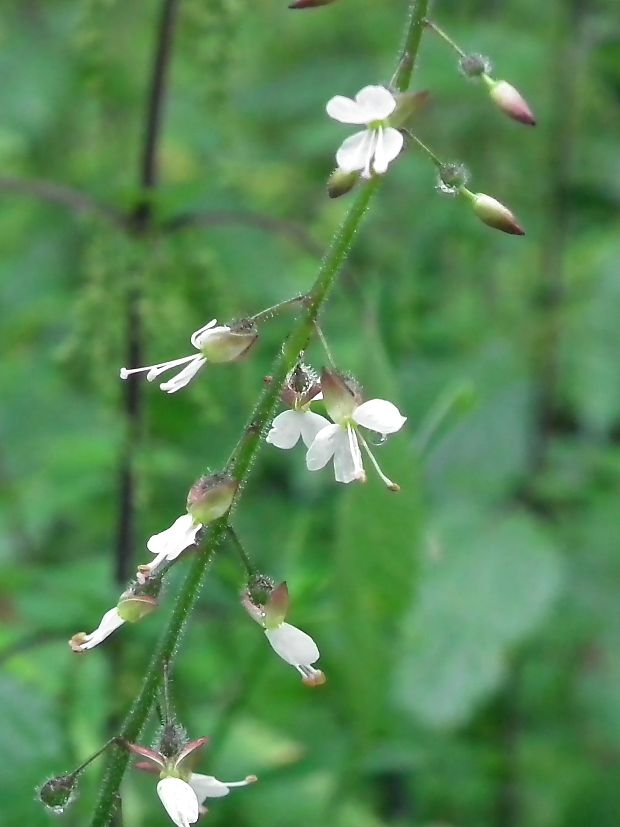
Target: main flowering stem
x: 242, y: 458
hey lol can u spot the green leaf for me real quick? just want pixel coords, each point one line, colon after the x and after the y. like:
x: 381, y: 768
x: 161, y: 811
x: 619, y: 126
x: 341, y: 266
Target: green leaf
x: 489, y: 584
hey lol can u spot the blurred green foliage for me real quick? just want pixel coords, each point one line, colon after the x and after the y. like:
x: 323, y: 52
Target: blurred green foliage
x: 469, y: 626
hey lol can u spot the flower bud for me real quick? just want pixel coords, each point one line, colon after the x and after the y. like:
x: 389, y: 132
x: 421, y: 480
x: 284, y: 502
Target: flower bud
x: 408, y: 104
x: 133, y: 607
x: 493, y: 213
x: 474, y: 65
x: 340, y: 182
x: 211, y: 497
x: 58, y: 793
x: 225, y: 344
x: 276, y: 606
x: 510, y: 101
x: 309, y: 4
x: 340, y: 394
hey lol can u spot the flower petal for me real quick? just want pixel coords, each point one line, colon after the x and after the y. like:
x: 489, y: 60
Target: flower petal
x: 110, y: 621
x: 311, y: 424
x: 194, y: 338
x: 376, y: 101
x: 293, y: 645
x: 379, y: 415
x: 286, y: 429
x: 345, y: 110
x: 179, y: 800
x: 206, y: 786
x: 171, y: 542
x: 348, y: 466
x: 389, y: 144
x: 356, y: 151
x: 184, y: 377
x: 323, y: 447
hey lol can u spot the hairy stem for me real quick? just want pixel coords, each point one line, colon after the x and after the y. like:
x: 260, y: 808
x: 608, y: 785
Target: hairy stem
x: 242, y: 458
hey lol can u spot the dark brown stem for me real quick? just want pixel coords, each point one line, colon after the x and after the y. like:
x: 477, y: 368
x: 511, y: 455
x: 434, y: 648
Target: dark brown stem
x: 74, y: 200
x: 142, y: 222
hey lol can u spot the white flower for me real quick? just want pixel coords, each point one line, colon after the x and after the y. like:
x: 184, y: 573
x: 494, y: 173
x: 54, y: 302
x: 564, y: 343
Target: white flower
x: 108, y: 624
x: 182, y: 800
x: 298, y: 649
x: 215, y: 343
x: 168, y: 544
x: 374, y: 148
x: 342, y: 440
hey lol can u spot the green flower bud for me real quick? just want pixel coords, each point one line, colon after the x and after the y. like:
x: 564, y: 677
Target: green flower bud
x: 340, y: 394
x: 211, y: 497
x: 133, y: 607
x: 340, y: 182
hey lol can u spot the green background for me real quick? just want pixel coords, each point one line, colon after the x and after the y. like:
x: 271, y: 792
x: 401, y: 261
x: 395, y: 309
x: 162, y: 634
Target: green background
x: 470, y: 626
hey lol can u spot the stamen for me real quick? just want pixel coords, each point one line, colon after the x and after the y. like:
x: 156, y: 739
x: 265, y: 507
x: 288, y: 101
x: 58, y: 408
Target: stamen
x: 154, y: 370
x: 311, y: 676
x: 391, y: 486
x: 354, y: 447
x: 249, y: 779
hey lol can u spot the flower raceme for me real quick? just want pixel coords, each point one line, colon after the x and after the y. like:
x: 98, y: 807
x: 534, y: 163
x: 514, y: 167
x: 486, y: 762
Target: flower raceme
x: 341, y: 440
x: 181, y: 791
x: 214, y: 343
x: 374, y: 148
x: 295, y: 647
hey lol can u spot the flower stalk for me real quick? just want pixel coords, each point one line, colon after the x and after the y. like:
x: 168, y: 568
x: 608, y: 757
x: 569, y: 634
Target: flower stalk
x: 244, y: 453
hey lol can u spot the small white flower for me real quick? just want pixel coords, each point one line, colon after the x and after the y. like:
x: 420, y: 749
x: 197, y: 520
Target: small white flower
x: 109, y: 623
x: 168, y: 544
x: 374, y: 148
x: 181, y: 791
x: 215, y: 343
x: 290, y: 643
x: 298, y: 649
x: 341, y: 441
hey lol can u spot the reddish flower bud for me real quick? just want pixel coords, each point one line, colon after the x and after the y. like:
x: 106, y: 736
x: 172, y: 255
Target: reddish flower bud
x: 408, y: 105
x: 510, y: 101
x: 211, y: 497
x: 493, y: 213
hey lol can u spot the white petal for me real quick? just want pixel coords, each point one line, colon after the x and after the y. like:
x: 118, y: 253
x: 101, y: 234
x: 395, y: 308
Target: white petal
x: 184, y: 377
x: 311, y: 424
x: 171, y: 542
x: 179, y: 800
x: 377, y: 102
x: 323, y: 447
x: 379, y: 415
x: 201, y: 338
x: 356, y: 151
x: 348, y: 465
x: 194, y: 338
x: 108, y: 624
x: 293, y: 645
x: 286, y: 429
x: 345, y: 110
x: 206, y: 786
x: 389, y: 144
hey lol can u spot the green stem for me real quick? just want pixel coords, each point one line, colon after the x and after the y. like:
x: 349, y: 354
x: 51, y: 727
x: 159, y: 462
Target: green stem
x: 435, y: 28
x: 276, y: 309
x: 246, y: 450
x: 243, y: 555
x: 434, y: 158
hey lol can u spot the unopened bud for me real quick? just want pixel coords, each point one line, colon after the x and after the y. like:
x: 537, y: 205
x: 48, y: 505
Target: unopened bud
x: 58, y: 793
x: 225, y: 344
x: 277, y: 606
x: 493, y: 213
x: 211, y: 497
x: 340, y: 394
x: 309, y: 4
x: 133, y: 607
x: 452, y: 177
x: 408, y: 105
x: 474, y: 65
x: 340, y: 182
x: 510, y: 101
